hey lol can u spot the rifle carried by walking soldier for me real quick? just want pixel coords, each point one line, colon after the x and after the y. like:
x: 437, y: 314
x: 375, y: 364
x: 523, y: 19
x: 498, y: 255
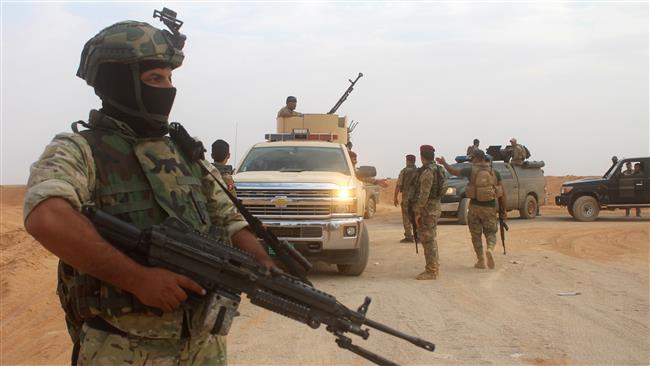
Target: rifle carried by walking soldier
x: 503, y: 227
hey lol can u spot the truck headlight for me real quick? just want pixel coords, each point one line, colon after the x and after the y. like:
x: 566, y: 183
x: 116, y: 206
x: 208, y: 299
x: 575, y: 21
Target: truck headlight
x: 451, y: 191
x: 344, y: 192
x: 566, y: 189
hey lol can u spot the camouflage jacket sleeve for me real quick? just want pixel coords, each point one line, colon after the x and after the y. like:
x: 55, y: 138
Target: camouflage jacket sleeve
x: 66, y: 169
x: 222, y: 211
x: 286, y: 112
x: 425, y: 182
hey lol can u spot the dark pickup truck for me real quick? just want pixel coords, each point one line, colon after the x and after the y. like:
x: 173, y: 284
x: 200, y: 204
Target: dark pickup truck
x: 523, y: 185
x: 614, y: 190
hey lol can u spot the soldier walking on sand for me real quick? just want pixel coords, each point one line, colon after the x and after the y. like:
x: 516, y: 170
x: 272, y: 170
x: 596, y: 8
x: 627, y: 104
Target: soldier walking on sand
x: 289, y: 110
x: 405, y: 186
x: 484, y: 189
x: 430, y: 184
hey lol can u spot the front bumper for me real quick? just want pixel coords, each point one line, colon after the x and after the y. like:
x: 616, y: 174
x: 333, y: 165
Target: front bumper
x: 449, y: 207
x: 562, y: 200
x: 321, y: 240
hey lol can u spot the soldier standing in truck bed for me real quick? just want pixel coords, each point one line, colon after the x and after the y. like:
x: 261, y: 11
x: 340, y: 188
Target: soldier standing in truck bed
x: 518, y: 152
x: 289, y: 110
x: 474, y: 146
x: 405, y: 185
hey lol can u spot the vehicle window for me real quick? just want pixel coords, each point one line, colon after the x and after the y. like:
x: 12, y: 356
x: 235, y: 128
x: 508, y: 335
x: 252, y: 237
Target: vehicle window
x: 631, y: 169
x: 295, y: 159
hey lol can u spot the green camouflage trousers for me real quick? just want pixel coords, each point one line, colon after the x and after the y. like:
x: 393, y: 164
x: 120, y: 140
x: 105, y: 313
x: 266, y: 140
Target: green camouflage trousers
x: 482, y: 220
x: 427, y: 232
x: 102, y: 348
x: 408, y: 229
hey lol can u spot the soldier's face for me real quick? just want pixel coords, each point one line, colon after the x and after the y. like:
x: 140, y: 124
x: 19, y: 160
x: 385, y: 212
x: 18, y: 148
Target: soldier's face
x: 292, y: 104
x: 158, y: 77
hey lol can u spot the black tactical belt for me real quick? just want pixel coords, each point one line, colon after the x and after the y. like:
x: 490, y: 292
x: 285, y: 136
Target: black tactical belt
x: 98, y: 323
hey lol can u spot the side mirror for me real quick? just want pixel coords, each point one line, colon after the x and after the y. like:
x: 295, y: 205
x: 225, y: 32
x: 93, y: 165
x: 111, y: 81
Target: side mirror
x: 366, y: 171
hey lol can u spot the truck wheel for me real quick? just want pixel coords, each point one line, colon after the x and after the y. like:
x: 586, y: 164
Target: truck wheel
x: 528, y: 209
x: 570, y: 209
x: 371, y: 208
x: 585, y: 208
x: 463, y: 211
x: 364, y: 250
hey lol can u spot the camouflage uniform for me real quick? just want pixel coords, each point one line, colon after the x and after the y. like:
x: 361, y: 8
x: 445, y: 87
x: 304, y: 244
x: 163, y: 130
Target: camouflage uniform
x: 482, y: 219
x: 405, y: 182
x: 471, y: 149
x: 142, y: 181
x: 427, y: 206
x: 286, y: 112
x: 226, y: 174
x: 518, y: 154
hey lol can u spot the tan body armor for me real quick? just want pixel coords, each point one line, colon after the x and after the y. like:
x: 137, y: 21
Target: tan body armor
x: 483, y: 184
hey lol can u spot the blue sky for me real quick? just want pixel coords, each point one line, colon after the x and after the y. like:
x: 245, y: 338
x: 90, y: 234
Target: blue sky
x: 568, y: 79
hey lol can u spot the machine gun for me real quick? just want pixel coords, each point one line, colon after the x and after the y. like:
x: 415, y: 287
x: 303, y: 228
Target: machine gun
x: 295, y: 262
x: 168, y: 17
x: 228, y: 272
x: 345, y: 94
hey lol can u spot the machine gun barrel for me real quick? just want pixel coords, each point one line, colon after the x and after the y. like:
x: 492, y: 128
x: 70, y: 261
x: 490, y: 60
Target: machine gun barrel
x: 345, y: 94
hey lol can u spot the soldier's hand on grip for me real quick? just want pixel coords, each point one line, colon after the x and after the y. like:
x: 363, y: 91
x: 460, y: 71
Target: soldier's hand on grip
x: 164, y: 289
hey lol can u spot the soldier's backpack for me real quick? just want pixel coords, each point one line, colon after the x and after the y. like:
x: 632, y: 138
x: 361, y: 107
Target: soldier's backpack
x: 439, y: 190
x: 483, y: 185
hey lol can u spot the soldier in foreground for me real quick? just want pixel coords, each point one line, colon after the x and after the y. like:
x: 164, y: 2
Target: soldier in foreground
x: 220, y: 155
x: 518, y: 152
x: 473, y: 147
x: 484, y: 189
x: 429, y: 185
x: 405, y: 185
x: 289, y: 110
x: 117, y: 310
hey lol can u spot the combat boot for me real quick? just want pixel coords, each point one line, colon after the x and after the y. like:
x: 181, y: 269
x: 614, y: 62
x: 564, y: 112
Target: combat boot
x: 480, y: 263
x: 427, y: 275
x: 490, y: 257
x: 407, y: 239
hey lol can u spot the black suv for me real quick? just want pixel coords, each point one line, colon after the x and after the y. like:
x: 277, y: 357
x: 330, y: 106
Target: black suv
x: 625, y: 185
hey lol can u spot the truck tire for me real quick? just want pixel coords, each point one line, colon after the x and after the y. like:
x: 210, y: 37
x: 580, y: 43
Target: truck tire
x: 528, y: 209
x: 356, y: 269
x: 586, y: 208
x: 463, y: 211
x: 371, y: 208
x: 570, y: 209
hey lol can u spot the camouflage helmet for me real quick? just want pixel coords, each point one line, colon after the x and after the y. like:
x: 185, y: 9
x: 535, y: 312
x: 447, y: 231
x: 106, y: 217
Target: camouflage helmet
x: 127, y: 42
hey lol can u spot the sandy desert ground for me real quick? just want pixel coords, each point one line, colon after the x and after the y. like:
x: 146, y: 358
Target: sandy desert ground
x: 510, y: 315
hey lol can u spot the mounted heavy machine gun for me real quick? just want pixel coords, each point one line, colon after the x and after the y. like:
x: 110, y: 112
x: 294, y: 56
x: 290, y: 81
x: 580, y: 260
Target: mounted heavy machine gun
x: 345, y: 94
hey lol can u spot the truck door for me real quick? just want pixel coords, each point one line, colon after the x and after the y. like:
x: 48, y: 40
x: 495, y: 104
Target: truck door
x: 510, y: 185
x: 630, y: 188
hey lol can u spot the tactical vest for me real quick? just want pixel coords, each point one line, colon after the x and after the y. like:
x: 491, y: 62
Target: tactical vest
x: 437, y: 188
x: 483, y: 185
x: 410, y: 174
x: 142, y: 182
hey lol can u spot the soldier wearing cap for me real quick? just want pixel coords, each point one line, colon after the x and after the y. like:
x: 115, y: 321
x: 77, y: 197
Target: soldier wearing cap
x: 405, y: 186
x: 518, y: 152
x: 484, y: 189
x: 289, y: 110
x: 430, y: 183
x: 119, y: 311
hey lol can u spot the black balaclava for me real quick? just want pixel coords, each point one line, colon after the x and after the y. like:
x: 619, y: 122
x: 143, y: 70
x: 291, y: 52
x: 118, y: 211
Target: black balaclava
x: 126, y: 98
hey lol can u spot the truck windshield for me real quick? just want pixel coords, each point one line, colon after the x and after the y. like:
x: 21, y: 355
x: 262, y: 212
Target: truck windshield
x: 295, y: 159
